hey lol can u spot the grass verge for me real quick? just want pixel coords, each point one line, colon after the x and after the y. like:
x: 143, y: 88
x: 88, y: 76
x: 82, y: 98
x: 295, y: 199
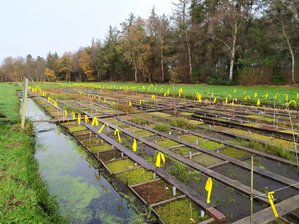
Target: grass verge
x: 24, y: 197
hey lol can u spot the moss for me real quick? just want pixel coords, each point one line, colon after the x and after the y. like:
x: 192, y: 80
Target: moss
x: 77, y: 128
x: 182, y: 123
x: 183, y: 150
x: 139, y: 120
x: 191, y: 138
x: 210, y: 145
x: 186, y: 114
x: 92, y: 142
x: 100, y: 148
x: 261, y: 118
x: 136, y: 176
x: 162, y: 128
x: 234, y: 153
x: 120, y: 165
x: 133, y: 129
x: 160, y: 114
x: 167, y: 143
x: 144, y: 133
x: 206, y: 160
x: 179, y: 211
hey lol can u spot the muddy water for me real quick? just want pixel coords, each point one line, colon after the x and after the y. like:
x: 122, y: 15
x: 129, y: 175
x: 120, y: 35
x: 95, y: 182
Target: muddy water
x: 83, y: 194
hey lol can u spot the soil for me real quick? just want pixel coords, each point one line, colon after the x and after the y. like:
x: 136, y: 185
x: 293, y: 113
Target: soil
x: 154, y: 192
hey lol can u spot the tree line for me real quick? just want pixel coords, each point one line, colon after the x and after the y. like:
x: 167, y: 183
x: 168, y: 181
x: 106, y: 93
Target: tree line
x: 203, y: 41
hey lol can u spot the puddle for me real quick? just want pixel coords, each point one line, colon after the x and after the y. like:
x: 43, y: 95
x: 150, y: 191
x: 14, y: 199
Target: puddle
x: 81, y: 191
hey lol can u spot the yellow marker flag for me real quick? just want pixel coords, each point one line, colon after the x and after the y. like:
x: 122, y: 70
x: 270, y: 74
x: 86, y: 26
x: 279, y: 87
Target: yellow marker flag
x: 49, y: 99
x: 140, y: 102
x: 276, y: 95
x: 247, y: 97
x: 160, y: 157
x: 291, y: 102
x: 130, y: 104
x: 255, y: 95
x: 208, y: 188
x: 258, y: 103
x: 226, y: 101
x: 267, y: 94
x: 167, y: 93
x: 198, y: 97
x: 79, y: 119
x: 134, y: 146
x: 95, y: 122
x: 65, y: 113
x: 153, y: 97
x: 86, y: 119
x: 99, y: 98
x: 287, y: 97
x: 270, y: 198
x: 215, y: 99
x: 181, y: 92
x: 116, y: 132
x: 233, y: 102
x: 73, y: 115
x: 105, y: 100
x: 297, y: 96
x: 101, y: 129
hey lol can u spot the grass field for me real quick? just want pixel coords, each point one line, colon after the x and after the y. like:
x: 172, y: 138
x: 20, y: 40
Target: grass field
x: 24, y: 197
x: 282, y: 95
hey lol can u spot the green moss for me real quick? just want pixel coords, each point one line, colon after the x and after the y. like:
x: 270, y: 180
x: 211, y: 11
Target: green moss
x: 101, y: 148
x: 179, y: 211
x: 91, y: 142
x: 167, y: 143
x: 133, y: 129
x: 135, y: 176
x: 144, y: 133
x: 77, y: 128
x: 183, y: 150
x: 261, y: 118
x: 139, y: 120
x: 210, y: 145
x: 206, y: 160
x: 162, y: 128
x: 120, y: 165
x: 160, y: 114
x: 191, y: 138
x: 234, y: 153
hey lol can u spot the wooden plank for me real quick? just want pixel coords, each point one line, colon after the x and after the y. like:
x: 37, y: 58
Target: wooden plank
x: 266, y: 215
x: 168, y: 200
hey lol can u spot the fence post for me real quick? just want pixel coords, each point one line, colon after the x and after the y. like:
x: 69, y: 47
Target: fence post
x: 24, y: 104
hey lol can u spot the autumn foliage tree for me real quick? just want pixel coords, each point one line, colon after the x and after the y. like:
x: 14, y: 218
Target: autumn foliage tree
x: 50, y: 75
x: 85, y: 65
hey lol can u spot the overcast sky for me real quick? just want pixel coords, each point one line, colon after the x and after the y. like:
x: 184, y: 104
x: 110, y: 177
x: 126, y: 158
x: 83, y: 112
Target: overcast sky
x: 40, y: 26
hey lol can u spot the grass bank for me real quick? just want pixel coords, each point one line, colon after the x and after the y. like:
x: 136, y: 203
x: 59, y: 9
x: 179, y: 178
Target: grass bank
x: 24, y: 197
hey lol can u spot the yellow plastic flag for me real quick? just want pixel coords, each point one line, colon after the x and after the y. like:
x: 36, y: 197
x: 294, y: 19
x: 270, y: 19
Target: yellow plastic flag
x: 247, y: 97
x: 255, y: 95
x: 101, y: 129
x: 73, y: 115
x: 49, y: 99
x: 116, y: 132
x: 233, y: 102
x: 99, y: 98
x: 226, y: 101
x: 79, y: 119
x: 153, y: 97
x: 181, y: 92
x: 258, y: 102
x: 276, y: 95
x: 291, y: 102
x: 215, y: 99
x: 297, y: 96
x: 270, y: 198
x: 140, y: 102
x: 134, y: 146
x: 167, y: 93
x: 160, y: 157
x: 287, y: 97
x: 208, y: 188
x: 65, y: 113
x: 267, y: 94
x: 130, y: 104
x: 198, y: 97
x: 105, y: 100
x: 86, y: 119
x: 95, y: 122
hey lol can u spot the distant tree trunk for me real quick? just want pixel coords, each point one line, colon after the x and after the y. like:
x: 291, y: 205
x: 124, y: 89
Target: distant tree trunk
x: 232, y: 60
x: 292, y: 55
x: 162, y: 62
x: 136, y: 72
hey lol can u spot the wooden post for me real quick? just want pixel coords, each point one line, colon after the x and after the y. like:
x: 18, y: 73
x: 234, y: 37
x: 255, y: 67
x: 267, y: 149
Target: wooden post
x: 251, y: 191
x: 24, y: 104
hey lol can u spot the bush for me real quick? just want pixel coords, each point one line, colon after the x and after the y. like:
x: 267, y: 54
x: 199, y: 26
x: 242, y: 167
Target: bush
x: 162, y: 128
x: 255, y: 76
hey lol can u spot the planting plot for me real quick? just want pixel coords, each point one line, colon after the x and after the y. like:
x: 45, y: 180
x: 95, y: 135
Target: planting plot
x: 155, y: 191
x: 194, y: 149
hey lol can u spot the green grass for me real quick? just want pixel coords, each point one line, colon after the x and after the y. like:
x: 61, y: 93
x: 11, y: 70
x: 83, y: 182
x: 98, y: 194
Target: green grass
x: 24, y: 197
x: 207, y: 91
x: 162, y: 128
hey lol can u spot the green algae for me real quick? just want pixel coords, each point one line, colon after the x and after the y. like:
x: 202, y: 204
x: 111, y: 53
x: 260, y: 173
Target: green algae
x: 211, y: 145
x: 120, y: 165
x: 179, y: 212
x: 135, y: 176
x: 234, y: 153
x: 167, y: 143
